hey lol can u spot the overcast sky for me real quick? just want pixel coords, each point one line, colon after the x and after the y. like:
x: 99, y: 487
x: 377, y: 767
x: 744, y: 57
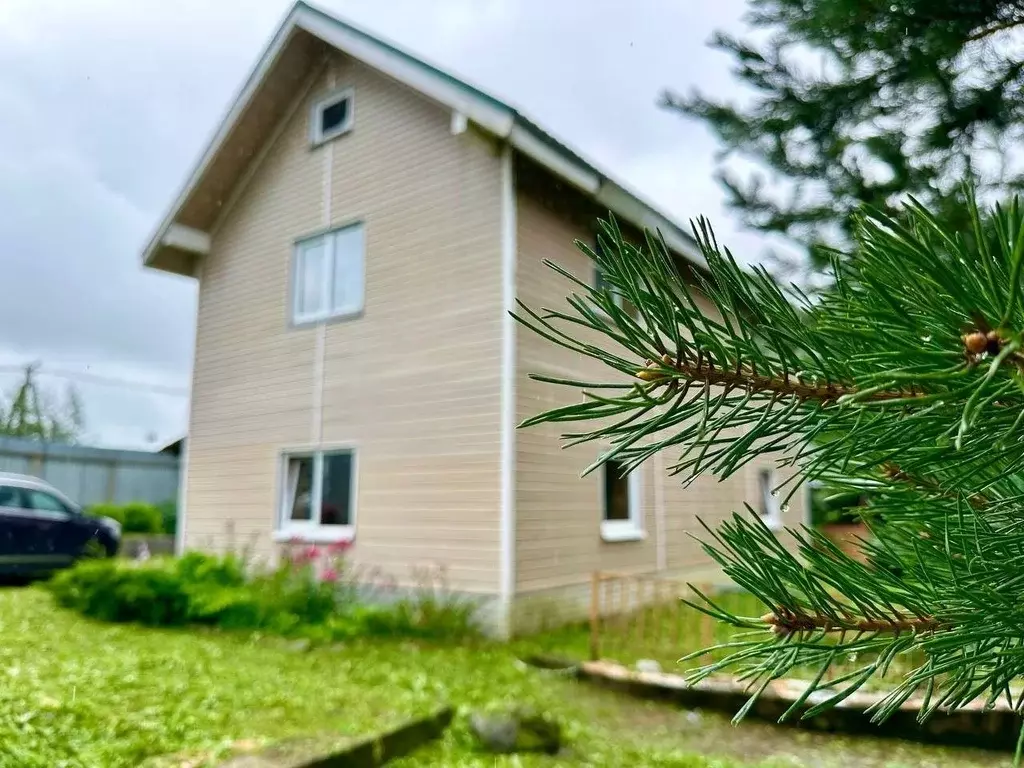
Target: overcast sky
x: 105, y: 105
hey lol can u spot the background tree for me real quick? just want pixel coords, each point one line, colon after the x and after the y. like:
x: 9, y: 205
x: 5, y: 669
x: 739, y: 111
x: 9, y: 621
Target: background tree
x: 905, y: 381
x: 861, y: 101
x: 27, y: 411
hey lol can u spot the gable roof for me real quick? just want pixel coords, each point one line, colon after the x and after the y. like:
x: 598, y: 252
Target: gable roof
x: 306, y: 32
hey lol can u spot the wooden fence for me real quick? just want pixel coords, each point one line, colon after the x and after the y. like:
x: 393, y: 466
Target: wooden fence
x: 636, y: 617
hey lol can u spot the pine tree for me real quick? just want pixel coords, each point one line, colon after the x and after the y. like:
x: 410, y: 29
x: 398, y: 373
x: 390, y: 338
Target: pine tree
x: 904, y: 382
x: 861, y: 101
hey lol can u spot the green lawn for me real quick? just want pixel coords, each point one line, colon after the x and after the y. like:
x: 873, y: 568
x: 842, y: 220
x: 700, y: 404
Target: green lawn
x: 74, y: 693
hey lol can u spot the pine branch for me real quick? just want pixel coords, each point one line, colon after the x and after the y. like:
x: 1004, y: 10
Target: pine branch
x: 785, y: 624
x: 801, y: 378
x: 892, y: 471
x: 905, y: 382
x: 668, y: 369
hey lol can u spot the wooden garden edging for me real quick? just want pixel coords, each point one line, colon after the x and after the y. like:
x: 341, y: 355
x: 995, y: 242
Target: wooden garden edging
x: 370, y: 752
x: 995, y: 728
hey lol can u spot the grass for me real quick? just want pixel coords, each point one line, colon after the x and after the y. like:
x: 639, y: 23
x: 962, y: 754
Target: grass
x: 663, y: 632
x: 668, y: 631
x: 77, y: 694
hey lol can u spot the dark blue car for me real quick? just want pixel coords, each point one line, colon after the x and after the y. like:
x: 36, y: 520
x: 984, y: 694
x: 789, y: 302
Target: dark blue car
x: 41, y: 530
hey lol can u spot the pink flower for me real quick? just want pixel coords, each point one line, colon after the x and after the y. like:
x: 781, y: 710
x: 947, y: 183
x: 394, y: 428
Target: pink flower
x: 340, y: 547
x: 312, y: 553
x: 329, y: 575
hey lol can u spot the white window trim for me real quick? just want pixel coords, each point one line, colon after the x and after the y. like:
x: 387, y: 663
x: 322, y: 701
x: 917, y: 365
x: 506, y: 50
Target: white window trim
x: 311, y: 530
x: 328, y: 312
x: 633, y: 528
x: 316, y: 134
x: 772, y: 516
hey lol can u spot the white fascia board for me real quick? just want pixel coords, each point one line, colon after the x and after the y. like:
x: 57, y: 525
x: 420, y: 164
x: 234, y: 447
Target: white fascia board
x: 625, y: 204
x: 561, y: 164
x: 186, y: 239
x: 674, y: 237
x: 405, y: 70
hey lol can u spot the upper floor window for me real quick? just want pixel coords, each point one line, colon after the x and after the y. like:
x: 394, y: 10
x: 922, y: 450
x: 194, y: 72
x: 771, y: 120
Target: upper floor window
x: 331, y: 117
x: 328, y: 275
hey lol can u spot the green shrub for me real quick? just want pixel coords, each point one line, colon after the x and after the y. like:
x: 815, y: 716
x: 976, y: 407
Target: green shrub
x: 168, y: 516
x: 134, y: 517
x: 106, y: 509
x: 197, y: 588
x: 226, y: 607
x: 196, y: 568
x: 216, y: 591
x: 295, y: 591
x: 117, y: 590
x: 439, y: 617
x: 142, y: 517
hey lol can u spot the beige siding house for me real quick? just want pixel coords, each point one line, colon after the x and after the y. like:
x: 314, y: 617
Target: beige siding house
x: 360, y: 226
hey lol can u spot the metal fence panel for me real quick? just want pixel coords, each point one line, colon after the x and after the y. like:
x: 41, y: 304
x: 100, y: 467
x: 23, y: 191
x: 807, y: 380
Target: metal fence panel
x: 91, y: 475
x: 135, y: 482
x: 13, y: 463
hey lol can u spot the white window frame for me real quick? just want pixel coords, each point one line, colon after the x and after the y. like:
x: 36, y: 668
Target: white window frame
x: 316, y: 133
x: 768, y: 503
x: 631, y: 529
x: 311, y: 530
x: 328, y: 311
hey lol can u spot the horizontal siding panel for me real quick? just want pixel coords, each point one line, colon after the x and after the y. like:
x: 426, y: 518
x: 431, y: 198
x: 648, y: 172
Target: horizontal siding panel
x: 413, y: 381
x: 558, y: 513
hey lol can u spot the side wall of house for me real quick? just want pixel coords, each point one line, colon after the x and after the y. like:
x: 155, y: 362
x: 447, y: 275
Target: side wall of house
x: 559, y: 543
x: 412, y: 383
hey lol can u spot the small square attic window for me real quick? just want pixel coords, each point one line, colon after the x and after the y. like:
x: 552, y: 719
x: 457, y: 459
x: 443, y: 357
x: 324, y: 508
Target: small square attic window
x: 332, y: 116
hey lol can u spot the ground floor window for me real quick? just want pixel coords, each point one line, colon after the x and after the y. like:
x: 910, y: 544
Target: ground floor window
x: 621, y: 514
x: 319, y: 493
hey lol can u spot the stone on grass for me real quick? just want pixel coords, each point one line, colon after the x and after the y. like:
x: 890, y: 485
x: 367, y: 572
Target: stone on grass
x: 517, y: 730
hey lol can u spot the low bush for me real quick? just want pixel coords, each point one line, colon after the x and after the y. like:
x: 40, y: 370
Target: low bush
x: 134, y: 517
x: 106, y: 509
x: 169, y: 516
x: 299, y: 598
x: 142, y: 517
x: 110, y: 590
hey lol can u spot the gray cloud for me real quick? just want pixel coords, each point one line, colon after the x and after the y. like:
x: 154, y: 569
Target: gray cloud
x: 106, y: 104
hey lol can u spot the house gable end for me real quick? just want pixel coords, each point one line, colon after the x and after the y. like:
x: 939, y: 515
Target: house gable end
x: 308, y: 34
